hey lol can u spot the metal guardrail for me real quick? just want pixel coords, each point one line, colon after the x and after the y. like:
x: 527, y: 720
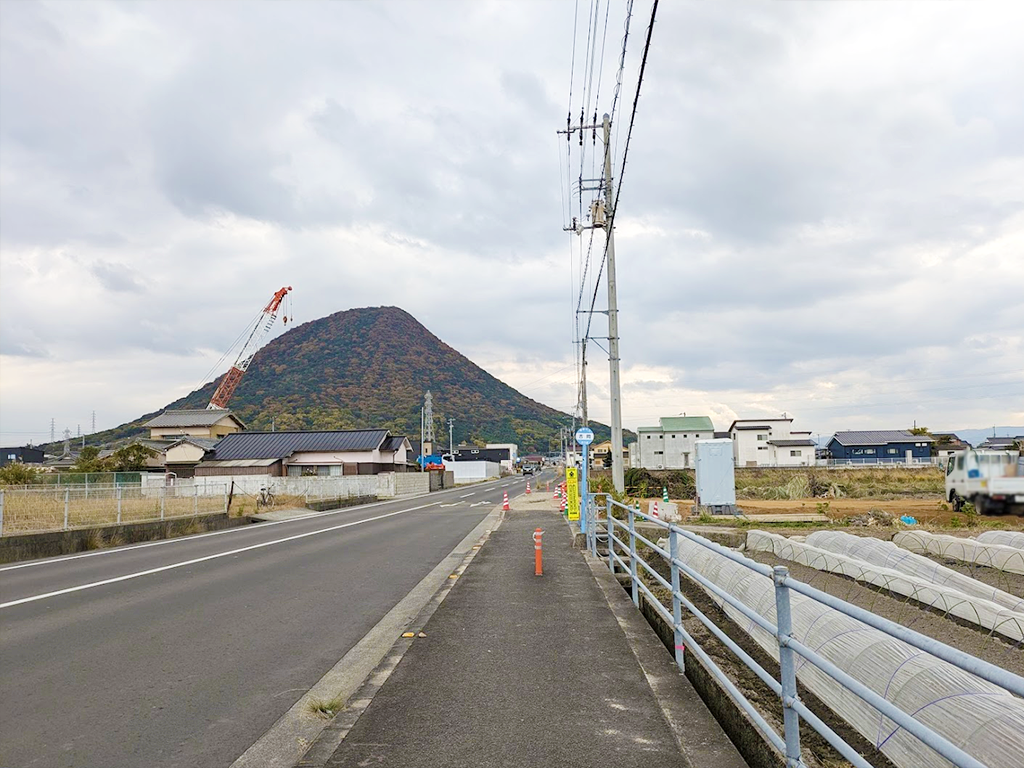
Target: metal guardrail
x: 63, y: 507
x: 623, y: 555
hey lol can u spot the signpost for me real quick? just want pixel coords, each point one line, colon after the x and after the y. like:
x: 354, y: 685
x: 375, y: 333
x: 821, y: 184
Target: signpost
x: 585, y: 436
x: 572, y: 493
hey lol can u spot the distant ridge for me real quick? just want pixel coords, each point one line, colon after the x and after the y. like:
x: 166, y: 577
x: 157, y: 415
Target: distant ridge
x: 370, y: 367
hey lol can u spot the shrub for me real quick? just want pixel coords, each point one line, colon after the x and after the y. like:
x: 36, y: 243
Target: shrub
x: 17, y: 473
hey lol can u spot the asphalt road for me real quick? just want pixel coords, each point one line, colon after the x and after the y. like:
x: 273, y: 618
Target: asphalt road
x: 185, y: 652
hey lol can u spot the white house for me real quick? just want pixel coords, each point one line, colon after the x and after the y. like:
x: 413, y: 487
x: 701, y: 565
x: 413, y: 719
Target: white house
x: 770, y: 443
x: 513, y: 454
x: 670, y: 444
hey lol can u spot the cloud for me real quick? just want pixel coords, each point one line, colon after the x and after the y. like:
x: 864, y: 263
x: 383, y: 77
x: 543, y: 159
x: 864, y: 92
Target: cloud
x: 821, y: 207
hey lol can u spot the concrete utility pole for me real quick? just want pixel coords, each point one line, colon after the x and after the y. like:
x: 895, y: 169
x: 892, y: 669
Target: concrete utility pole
x: 451, y: 443
x: 583, y: 384
x: 618, y: 472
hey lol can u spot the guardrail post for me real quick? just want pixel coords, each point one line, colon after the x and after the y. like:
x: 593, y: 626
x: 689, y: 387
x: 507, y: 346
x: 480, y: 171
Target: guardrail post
x: 787, y: 667
x: 632, y: 559
x: 119, y: 490
x: 67, y: 500
x: 610, y: 527
x: 677, y: 608
x: 593, y: 523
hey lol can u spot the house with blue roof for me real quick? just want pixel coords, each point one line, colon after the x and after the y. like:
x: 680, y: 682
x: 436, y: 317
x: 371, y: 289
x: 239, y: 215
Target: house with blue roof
x: 887, y: 446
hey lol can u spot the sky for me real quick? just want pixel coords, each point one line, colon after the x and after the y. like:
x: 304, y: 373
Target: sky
x: 821, y: 213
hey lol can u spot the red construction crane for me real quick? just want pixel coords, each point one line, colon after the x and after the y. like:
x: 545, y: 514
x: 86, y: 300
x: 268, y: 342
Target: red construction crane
x: 261, y: 328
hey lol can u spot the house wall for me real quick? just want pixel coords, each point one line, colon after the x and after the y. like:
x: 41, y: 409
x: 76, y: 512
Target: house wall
x: 750, y: 446
x: 24, y: 455
x: 183, y: 454
x: 669, y: 450
x: 781, y: 455
x: 879, y: 453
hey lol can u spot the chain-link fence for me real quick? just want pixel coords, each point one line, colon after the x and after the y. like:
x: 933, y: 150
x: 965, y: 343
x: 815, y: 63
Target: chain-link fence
x: 62, y: 507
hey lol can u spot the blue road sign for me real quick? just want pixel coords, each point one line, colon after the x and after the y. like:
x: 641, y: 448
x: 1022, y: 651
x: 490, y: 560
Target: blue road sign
x: 584, y: 435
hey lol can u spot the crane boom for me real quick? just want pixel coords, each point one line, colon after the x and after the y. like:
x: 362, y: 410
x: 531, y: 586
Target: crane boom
x: 264, y: 323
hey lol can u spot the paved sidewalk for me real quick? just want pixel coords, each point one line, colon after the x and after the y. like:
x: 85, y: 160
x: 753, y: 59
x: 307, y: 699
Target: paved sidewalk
x: 519, y: 670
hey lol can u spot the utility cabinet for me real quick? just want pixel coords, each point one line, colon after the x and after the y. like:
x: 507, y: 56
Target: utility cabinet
x: 716, y: 477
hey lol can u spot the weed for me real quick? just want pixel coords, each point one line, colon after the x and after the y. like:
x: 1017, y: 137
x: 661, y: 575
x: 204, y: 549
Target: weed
x: 822, y: 507
x: 94, y: 540
x: 326, y: 708
x: 956, y: 522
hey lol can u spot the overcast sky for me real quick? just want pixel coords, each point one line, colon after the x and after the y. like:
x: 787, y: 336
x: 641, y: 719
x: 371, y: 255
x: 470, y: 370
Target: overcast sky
x: 822, y: 212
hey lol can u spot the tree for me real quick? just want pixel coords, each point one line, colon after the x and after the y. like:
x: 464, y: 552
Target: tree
x: 17, y: 473
x: 130, y: 458
x: 919, y: 431
x: 89, y: 460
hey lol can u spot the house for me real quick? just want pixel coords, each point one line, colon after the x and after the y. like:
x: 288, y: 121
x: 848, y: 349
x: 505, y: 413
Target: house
x: 770, y: 443
x: 502, y: 456
x: 24, y: 455
x: 207, y: 423
x: 513, y: 454
x: 670, y: 444
x: 1001, y: 443
x: 947, y: 444
x: 879, y: 447
x: 298, y: 454
x: 182, y: 456
x: 600, y: 455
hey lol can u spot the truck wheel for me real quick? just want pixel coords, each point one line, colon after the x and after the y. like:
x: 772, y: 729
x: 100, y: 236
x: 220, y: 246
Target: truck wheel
x: 957, y: 501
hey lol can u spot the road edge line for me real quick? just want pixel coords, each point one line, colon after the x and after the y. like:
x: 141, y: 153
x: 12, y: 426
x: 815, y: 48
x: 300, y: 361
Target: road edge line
x: 364, y: 668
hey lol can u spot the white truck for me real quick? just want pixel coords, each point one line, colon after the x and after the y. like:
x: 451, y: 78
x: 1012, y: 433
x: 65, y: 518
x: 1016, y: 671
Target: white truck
x: 991, y: 480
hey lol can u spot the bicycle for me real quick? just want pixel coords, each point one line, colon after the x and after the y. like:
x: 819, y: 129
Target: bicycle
x: 266, y: 498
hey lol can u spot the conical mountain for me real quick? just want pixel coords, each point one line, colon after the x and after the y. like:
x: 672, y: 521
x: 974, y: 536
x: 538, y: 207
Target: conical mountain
x: 370, y: 367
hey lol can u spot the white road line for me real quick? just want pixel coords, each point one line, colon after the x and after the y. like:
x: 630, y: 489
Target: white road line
x: 179, y: 539
x: 467, y: 495
x: 479, y: 504
x: 184, y: 563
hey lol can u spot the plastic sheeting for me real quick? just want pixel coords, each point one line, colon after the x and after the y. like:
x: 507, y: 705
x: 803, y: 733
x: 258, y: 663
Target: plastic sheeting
x: 1006, y: 538
x: 976, y: 610
x: 888, y: 555
x: 980, y: 718
x: 998, y: 556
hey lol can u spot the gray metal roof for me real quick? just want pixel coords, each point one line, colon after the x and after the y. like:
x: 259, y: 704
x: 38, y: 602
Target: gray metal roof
x: 393, y: 443
x: 879, y: 437
x: 759, y: 427
x: 278, y: 445
x: 190, y: 418
x: 206, y: 443
x: 791, y: 443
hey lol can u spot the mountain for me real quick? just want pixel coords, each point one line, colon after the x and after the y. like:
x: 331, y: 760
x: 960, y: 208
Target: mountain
x: 371, y: 367
x: 977, y: 436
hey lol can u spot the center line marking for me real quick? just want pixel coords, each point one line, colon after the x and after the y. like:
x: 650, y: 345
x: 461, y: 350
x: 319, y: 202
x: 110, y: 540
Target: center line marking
x: 467, y: 495
x: 184, y: 563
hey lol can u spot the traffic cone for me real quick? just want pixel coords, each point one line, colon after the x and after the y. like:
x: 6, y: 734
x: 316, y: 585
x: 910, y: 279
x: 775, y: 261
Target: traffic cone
x: 654, y: 509
x: 555, y: 494
x: 527, y: 487
x: 664, y: 495
x: 504, y: 502
x: 565, y: 505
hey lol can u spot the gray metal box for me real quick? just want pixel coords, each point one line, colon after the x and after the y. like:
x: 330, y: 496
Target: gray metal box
x: 716, y: 479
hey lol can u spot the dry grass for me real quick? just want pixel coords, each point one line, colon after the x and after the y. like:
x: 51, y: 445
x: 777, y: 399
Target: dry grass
x: 326, y: 708
x: 43, y: 510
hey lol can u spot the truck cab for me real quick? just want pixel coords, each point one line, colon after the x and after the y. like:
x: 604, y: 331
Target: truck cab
x: 992, y: 480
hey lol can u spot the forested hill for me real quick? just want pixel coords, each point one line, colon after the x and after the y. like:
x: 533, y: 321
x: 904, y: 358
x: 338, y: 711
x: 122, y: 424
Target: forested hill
x: 370, y: 368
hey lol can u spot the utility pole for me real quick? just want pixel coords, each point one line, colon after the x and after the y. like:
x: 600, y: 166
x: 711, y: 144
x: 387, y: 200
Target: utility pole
x: 451, y: 443
x: 583, y: 383
x: 618, y: 472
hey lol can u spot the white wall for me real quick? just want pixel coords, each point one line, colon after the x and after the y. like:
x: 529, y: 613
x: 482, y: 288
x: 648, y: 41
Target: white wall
x: 675, y: 446
x: 472, y: 471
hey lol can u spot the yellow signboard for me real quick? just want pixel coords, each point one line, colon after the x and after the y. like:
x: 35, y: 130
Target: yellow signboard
x: 572, y: 493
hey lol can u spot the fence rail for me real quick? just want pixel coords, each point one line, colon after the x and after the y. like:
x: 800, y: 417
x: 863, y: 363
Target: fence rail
x: 624, y: 556
x: 63, y: 507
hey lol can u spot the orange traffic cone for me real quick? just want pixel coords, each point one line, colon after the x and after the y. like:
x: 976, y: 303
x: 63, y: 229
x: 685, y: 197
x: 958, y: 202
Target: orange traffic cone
x: 527, y: 487
x: 504, y: 502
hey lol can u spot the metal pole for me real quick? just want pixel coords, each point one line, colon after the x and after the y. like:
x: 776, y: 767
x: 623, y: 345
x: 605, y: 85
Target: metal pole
x: 618, y: 473
x: 787, y: 667
x: 583, y: 497
x: 195, y: 505
x: 1, y: 511
x: 119, y: 505
x: 677, y: 610
x: 632, y: 558
x: 584, y: 421
x: 67, y: 499
x: 163, y: 498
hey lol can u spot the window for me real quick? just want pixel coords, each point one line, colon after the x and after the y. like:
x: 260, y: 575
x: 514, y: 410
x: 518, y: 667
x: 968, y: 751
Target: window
x: 674, y: 437
x: 869, y: 451
x: 658, y: 453
x: 12, y: 456
x: 795, y: 453
x: 858, y: 451
x: 892, y: 451
x: 762, y: 447
x: 960, y: 461
x: 648, y: 437
x: 762, y: 437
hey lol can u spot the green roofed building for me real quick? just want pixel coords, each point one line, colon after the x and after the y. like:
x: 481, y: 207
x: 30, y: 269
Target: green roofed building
x: 670, y: 445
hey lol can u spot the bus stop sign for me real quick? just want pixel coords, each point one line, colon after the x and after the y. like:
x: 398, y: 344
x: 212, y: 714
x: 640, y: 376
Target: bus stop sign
x: 584, y: 435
